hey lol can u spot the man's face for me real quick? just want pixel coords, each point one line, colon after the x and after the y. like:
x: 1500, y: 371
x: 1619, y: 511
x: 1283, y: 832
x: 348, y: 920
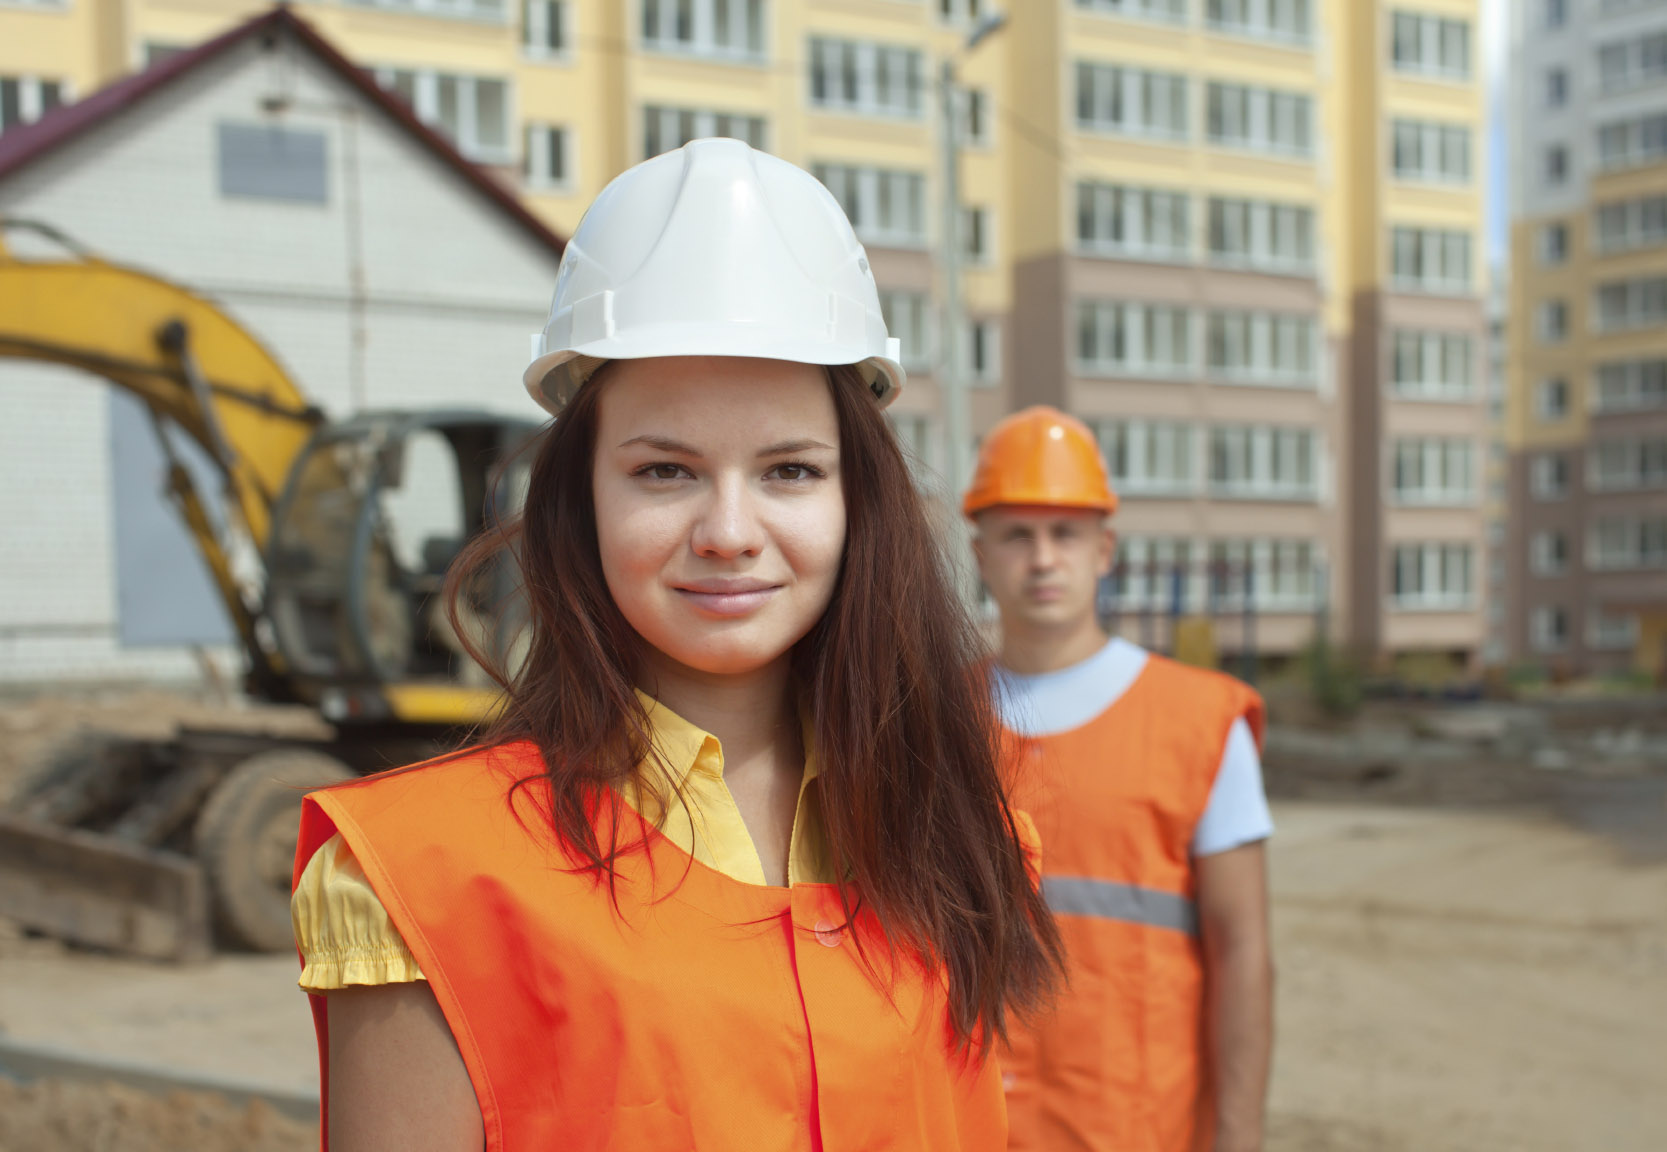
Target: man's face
x: 1043, y: 565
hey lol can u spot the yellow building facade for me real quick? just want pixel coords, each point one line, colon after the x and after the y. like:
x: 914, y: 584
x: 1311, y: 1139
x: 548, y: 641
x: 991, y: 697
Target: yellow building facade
x: 1586, y: 404
x: 1215, y: 229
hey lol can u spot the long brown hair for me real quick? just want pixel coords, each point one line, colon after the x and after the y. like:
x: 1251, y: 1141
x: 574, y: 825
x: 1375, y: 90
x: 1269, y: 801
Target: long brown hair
x: 894, y: 678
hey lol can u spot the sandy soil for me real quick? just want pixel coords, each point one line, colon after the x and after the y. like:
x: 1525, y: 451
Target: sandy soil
x: 1449, y: 979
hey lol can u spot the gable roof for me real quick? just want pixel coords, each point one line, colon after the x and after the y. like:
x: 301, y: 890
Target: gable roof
x: 21, y: 147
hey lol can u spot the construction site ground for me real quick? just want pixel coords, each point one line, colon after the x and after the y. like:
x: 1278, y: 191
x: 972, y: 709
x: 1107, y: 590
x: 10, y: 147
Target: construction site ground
x: 1462, y: 966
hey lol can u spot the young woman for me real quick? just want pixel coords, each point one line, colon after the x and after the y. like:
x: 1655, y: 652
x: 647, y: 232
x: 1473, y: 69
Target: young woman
x: 734, y: 869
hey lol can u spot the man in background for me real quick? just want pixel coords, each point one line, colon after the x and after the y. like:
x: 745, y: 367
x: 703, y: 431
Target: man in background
x: 1144, y: 777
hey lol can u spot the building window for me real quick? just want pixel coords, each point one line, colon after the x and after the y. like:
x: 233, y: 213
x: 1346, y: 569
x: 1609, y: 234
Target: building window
x: 544, y: 27
x: 1554, y: 244
x: 977, y: 245
x: 1548, y: 553
x: 1431, y: 45
x: 1264, y: 463
x: 1262, y: 348
x: 1556, y: 165
x: 1548, y: 476
x: 1430, y: 259
x: 982, y: 351
x: 1553, y: 322
x: 1432, y: 365
x: 1131, y: 101
x: 1168, y: 11
x: 1556, y: 87
x: 1631, y: 465
x: 885, y: 207
x: 1431, y: 153
x: 975, y: 120
x: 1608, y: 632
x: 1259, y: 119
x: 1265, y: 19
x: 1142, y: 222
x: 1633, y: 63
x: 1272, y: 575
x: 1434, y: 470
x: 546, y: 161
x: 907, y: 316
x: 1148, y: 457
x: 733, y: 28
x: 866, y: 78
x: 266, y: 162
x: 1120, y: 338
x: 1625, y: 225
x: 470, y: 111
x: 1261, y: 234
x: 1630, y: 304
x: 25, y: 99
x: 961, y: 11
x: 1641, y: 140
x: 1147, y: 569
x: 1431, y: 576
x: 1622, y: 543
x: 1552, y: 400
x: 487, y: 10
x: 665, y: 129
x: 1548, y: 629
x: 1630, y: 386
x: 1556, y: 13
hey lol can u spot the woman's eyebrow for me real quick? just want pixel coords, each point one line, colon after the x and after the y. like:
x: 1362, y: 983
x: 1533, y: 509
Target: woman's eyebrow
x: 663, y: 444
x: 787, y: 447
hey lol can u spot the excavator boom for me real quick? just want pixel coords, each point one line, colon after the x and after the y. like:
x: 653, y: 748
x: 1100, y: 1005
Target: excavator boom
x: 190, y: 363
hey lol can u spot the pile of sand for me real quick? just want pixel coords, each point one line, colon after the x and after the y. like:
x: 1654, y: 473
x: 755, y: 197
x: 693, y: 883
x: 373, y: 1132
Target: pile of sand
x: 79, y: 1116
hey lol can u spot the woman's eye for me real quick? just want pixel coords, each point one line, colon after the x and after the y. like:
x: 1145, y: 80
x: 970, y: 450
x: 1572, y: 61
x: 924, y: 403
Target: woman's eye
x: 795, y: 472
x: 660, y: 471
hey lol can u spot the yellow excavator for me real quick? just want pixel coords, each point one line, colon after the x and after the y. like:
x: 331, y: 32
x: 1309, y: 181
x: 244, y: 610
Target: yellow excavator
x: 157, y: 847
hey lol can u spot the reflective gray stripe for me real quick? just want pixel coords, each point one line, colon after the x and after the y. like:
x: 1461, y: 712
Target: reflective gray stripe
x: 1108, y: 900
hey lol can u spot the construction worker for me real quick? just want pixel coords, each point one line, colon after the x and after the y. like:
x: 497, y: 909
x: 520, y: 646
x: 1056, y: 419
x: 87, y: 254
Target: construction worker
x: 735, y: 867
x: 1144, y: 778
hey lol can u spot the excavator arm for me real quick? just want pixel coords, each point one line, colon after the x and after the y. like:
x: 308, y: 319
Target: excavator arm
x: 193, y: 367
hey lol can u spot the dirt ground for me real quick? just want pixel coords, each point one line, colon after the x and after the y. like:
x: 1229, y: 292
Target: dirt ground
x: 1466, y: 977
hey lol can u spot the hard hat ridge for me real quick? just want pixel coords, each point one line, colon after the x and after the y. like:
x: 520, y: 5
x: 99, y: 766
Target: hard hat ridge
x: 714, y: 249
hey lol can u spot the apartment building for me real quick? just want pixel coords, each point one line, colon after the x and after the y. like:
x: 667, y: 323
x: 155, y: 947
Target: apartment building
x: 1252, y: 267
x: 1587, y: 400
x: 1240, y: 237
x: 559, y: 96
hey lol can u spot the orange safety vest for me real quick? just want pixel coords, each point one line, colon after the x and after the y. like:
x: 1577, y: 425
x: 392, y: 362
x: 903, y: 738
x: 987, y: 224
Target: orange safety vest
x: 696, y: 1012
x: 1119, y: 1062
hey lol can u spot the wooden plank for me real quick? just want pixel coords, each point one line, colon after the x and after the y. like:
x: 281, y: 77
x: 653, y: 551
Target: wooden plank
x: 90, y: 889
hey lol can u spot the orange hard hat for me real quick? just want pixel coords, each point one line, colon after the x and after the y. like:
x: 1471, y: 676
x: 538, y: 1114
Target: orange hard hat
x: 1042, y: 457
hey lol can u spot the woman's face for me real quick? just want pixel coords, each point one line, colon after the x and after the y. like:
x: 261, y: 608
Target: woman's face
x: 719, y: 514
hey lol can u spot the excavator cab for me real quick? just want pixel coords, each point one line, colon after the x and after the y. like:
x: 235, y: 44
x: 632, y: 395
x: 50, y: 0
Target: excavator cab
x: 375, y: 510
x: 329, y: 560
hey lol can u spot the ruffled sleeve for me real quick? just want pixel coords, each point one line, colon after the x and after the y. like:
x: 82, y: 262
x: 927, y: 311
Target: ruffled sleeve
x: 343, y: 931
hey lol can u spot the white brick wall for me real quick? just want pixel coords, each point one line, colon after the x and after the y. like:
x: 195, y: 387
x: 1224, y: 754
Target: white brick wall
x: 454, y: 289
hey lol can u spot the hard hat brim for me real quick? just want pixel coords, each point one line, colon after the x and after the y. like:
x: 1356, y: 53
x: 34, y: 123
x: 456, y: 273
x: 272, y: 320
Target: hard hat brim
x: 553, y: 379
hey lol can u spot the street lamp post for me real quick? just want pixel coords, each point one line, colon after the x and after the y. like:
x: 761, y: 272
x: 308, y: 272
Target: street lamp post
x: 952, y: 382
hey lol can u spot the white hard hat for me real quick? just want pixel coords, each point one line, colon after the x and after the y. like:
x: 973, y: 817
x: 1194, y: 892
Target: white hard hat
x: 713, y: 250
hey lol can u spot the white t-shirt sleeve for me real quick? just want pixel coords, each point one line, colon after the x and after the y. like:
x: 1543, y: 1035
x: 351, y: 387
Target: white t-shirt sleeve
x: 1237, y: 812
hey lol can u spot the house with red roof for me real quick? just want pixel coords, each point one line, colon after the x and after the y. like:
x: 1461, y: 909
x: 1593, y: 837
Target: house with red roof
x: 264, y: 170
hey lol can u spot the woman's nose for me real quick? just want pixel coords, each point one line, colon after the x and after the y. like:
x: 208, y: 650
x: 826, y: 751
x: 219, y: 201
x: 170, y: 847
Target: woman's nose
x: 729, y: 524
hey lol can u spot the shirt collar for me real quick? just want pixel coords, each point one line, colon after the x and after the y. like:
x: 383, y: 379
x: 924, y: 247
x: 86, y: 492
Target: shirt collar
x: 679, y: 747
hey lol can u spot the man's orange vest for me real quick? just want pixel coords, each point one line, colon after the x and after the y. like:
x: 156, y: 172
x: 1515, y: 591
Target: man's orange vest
x: 685, y: 1010
x: 1119, y: 1063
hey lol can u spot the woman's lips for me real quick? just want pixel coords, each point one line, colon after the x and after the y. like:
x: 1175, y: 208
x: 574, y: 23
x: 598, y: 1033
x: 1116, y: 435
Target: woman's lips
x: 737, y: 600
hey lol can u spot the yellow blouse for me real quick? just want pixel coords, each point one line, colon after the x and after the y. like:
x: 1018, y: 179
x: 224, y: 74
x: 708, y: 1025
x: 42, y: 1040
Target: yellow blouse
x: 346, y: 937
